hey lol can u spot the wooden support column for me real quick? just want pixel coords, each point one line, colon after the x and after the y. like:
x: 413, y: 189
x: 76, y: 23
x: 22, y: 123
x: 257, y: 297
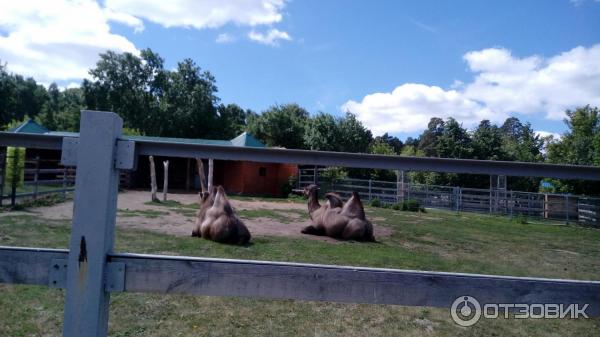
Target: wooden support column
x: 92, y: 232
x: 211, y: 167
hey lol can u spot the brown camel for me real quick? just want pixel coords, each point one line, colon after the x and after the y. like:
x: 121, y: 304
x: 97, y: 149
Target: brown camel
x: 316, y: 211
x: 348, y: 222
x: 219, y: 222
x: 206, y: 201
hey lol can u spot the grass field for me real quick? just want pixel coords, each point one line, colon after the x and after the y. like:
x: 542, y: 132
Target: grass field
x: 436, y: 240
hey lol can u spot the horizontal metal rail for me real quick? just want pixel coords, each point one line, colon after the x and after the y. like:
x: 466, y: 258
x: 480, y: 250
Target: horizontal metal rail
x: 323, y: 158
x: 312, y: 282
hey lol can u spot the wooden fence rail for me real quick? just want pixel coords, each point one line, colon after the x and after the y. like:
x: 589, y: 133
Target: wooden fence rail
x: 90, y: 270
x: 143, y: 273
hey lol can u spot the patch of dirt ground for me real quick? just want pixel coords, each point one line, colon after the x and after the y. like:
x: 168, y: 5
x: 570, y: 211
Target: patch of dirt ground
x: 180, y: 220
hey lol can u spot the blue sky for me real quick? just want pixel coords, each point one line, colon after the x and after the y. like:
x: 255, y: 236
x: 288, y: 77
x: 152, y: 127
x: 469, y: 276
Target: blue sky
x: 393, y: 63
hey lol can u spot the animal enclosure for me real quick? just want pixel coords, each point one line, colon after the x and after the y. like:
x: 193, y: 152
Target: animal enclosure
x: 90, y: 271
x: 560, y: 207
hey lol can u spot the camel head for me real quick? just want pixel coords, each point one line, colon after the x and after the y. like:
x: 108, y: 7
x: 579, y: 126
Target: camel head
x: 354, y: 207
x: 221, y: 202
x: 310, y: 189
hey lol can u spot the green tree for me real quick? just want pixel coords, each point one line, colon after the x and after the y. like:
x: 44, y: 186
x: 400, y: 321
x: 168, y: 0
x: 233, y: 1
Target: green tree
x: 393, y: 142
x: 232, y: 120
x: 158, y: 102
x: 487, y: 142
x: 381, y: 147
x: 353, y: 135
x: 280, y: 125
x: 321, y: 133
x: 580, y: 145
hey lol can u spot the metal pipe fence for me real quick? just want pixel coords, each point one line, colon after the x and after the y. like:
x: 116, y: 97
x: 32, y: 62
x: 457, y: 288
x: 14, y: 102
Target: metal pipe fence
x: 560, y: 207
x: 90, y: 271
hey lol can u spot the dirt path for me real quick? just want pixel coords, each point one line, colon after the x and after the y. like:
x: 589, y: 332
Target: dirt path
x: 180, y: 220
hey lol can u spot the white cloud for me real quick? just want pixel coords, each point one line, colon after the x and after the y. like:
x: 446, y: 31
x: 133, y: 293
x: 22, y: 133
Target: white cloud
x: 272, y: 37
x: 503, y: 85
x: 201, y: 14
x: 58, y: 40
x: 410, y: 106
x: 534, y: 85
x: 225, y: 38
x: 544, y: 134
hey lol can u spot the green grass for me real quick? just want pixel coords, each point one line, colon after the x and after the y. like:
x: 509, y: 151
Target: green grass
x: 437, y: 240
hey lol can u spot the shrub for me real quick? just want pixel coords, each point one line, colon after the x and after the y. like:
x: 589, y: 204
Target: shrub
x: 412, y: 205
x: 286, y: 189
x: 375, y: 202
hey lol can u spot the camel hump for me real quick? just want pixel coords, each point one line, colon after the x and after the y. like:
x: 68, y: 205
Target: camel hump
x: 334, y: 199
x: 354, y: 207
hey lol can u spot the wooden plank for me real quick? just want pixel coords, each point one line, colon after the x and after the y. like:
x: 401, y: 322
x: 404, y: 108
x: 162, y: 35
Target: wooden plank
x: 222, y: 277
x: 27, y: 265
x: 92, y: 232
x: 265, y: 279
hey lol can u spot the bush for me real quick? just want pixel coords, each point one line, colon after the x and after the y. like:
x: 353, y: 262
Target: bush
x: 286, y: 189
x: 375, y: 202
x: 410, y: 205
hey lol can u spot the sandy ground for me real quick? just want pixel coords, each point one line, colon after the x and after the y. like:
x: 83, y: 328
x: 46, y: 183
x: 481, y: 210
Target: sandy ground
x: 179, y: 224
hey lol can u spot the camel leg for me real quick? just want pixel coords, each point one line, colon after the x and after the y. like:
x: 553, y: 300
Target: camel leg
x: 312, y: 230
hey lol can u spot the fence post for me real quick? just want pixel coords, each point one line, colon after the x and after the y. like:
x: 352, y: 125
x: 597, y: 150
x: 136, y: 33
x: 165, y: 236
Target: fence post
x: 36, y: 177
x: 2, y: 172
x: 370, y: 186
x: 64, y: 182
x: 92, y: 233
x: 567, y: 208
x: 15, y: 178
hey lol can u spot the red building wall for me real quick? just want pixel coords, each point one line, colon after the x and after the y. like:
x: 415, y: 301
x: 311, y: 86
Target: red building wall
x: 253, y: 178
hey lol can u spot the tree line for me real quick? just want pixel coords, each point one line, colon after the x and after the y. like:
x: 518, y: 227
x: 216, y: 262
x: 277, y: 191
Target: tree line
x: 183, y: 102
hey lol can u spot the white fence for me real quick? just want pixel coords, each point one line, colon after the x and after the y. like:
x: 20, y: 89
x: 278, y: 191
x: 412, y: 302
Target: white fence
x: 90, y: 270
x: 562, y: 207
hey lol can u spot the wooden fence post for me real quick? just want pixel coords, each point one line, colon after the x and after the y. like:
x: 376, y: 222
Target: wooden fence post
x: 370, y: 187
x: 567, y: 208
x: 92, y: 232
x: 36, y: 177
x: 153, y: 187
x: 211, y: 167
x: 201, y: 175
x: 64, y: 182
x: 2, y: 172
x: 166, y: 179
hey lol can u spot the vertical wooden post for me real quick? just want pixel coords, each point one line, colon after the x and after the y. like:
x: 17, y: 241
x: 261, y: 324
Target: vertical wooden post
x: 153, y: 187
x: 92, y: 232
x: 187, y: 174
x: 166, y: 179
x: 370, y: 186
x: 211, y: 165
x: 36, y: 177
x: 64, y: 182
x: 567, y: 208
x: 201, y: 175
x: 15, y: 178
x: 2, y: 172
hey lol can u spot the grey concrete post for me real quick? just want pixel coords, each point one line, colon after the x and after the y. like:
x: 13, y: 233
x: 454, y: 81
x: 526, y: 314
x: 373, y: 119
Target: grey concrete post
x: 92, y: 233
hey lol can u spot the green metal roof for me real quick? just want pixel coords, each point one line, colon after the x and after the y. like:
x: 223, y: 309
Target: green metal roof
x: 246, y: 139
x: 29, y: 126
x: 243, y: 140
